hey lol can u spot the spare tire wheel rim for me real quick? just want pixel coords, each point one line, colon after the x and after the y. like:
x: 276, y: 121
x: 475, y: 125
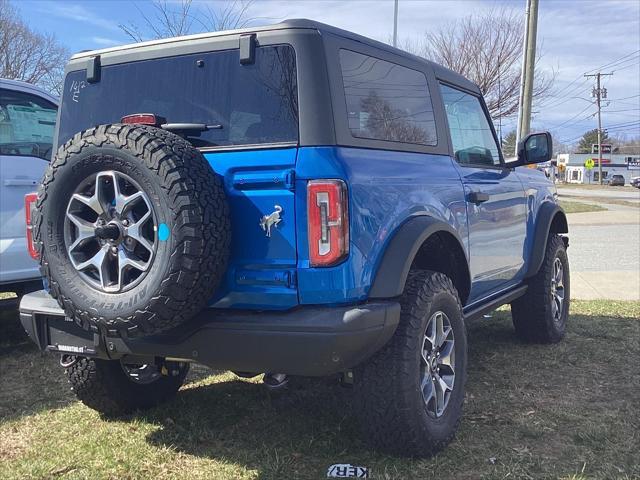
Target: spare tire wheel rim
x: 110, y: 232
x: 438, y: 364
x: 557, y: 291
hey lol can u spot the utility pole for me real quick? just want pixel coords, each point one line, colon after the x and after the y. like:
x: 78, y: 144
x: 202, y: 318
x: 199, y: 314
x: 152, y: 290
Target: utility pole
x: 395, y: 23
x: 528, y: 69
x: 599, y: 94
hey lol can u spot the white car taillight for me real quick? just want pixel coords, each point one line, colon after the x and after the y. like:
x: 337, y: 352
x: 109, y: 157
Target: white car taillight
x: 327, y: 213
x: 29, y: 209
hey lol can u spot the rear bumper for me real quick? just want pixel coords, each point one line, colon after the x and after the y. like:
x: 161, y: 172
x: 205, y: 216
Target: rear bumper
x: 305, y: 341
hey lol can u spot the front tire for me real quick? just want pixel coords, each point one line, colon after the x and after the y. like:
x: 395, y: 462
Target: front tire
x: 540, y: 315
x: 410, y: 394
x: 113, y: 388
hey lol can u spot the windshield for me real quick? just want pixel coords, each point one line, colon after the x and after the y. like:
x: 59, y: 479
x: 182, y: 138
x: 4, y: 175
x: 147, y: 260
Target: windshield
x: 254, y: 104
x: 27, y: 122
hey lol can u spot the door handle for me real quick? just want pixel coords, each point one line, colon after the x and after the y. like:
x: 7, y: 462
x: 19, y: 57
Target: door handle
x: 21, y: 182
x: 478, y: 197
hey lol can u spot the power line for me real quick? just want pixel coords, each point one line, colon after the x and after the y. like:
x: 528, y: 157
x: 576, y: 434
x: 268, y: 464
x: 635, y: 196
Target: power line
x: 574, y: 117
x: 621, y: 124
x: 557, y: 94
x: 625, y: 110
x: 623, y: 98
x: 607, y: 65
x: 617, y: 69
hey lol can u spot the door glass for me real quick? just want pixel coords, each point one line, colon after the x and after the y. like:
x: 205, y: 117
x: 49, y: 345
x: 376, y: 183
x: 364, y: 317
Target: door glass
x: 26, y: 124
x: 471, y: 134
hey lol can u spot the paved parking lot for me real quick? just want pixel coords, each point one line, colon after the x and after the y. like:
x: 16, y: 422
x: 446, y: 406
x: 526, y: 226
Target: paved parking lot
x: 604, y: 252
x: 603, y: 193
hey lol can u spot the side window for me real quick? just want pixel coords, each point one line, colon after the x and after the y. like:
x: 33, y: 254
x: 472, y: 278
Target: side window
x: 386, y: 101
x: 27, y: 123
x: 471, y: 135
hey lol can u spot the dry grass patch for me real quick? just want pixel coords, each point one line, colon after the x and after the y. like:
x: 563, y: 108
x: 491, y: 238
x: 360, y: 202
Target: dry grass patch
x: 579, y: 207
x: 562, y: 411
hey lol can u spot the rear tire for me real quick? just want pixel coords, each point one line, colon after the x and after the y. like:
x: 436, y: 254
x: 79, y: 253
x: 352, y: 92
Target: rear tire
x: 393, y: 389
x: 540, y: 315
x: 104, y: 386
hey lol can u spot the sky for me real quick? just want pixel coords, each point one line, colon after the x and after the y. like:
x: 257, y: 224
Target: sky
x: 575, y: 37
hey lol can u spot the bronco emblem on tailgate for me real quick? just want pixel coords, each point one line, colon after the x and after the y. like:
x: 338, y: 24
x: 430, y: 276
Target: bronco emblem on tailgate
x: 267, y: 221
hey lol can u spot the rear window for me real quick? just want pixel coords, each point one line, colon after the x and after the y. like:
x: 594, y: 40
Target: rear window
x: 386, y: 101
x: 26, y: 124
x: 255, y: 104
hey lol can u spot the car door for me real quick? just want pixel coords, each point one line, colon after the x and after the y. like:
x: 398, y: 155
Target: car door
x: 26, y: 132
x: 495, y: 197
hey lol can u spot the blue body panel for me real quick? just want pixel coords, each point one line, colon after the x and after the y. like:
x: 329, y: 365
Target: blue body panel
x: 538, y: 190
x: 262, y: 270
x: 385, y: 189
x: 497, y: 229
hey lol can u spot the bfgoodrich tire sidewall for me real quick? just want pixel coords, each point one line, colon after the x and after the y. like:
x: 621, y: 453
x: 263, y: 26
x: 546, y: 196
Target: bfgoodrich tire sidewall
x: 84, y: 296
x: 440, y: 428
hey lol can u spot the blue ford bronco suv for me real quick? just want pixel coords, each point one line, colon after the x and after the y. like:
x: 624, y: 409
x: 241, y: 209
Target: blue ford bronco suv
x: 289, y: 200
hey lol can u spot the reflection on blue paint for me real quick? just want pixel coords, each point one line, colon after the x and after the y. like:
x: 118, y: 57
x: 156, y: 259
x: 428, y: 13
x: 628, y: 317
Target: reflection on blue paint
x: 163, y: 232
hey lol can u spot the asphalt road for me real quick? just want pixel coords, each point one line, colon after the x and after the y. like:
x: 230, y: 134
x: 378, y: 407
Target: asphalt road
x: 614, y: 193
x: 604, y: 254
x: 604, y: 247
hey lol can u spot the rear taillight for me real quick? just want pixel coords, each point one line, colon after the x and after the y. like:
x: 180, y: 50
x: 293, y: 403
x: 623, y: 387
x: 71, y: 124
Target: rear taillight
x: 143, y: 119
x: 327, y: 211
x: 29, y: 211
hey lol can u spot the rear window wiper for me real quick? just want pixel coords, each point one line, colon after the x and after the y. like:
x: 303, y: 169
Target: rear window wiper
x: 190, y: 129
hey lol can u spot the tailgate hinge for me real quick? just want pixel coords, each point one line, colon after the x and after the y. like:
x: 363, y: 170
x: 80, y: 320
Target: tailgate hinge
x: 290, y: 179
x: 292, y: 279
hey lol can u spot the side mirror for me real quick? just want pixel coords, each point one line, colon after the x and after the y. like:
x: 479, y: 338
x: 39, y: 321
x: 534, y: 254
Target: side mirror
x: 535, y: 148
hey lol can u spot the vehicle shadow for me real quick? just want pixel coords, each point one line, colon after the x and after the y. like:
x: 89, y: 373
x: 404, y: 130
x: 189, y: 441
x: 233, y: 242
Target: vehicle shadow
x: 240, y: 422
x: 312, y: 423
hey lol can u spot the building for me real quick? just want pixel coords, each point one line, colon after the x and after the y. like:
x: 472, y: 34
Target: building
x: 575, y: 170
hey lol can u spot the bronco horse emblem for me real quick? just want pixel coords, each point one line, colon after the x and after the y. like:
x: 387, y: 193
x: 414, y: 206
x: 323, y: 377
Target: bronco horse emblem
x: 267, y: 221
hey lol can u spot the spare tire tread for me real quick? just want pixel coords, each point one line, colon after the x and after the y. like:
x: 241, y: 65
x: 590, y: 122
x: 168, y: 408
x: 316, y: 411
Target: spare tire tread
x: 199, y: 206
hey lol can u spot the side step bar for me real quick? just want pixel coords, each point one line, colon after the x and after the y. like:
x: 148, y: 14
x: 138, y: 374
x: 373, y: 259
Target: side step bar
x: 475, y: 313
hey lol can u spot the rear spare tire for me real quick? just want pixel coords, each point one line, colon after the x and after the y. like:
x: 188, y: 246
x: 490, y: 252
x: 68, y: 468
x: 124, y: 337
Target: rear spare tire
x: 133, y: 229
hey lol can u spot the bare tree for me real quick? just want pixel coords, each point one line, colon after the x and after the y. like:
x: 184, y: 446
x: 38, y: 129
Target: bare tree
x: 27, y: 55
x: 626, y: 143
x: 173, y: 19
x: 487, y: 49
x: 386, y: 122
x: 509, y: 144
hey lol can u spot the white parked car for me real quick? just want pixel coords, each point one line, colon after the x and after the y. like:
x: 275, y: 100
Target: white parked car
x: 27, y: 123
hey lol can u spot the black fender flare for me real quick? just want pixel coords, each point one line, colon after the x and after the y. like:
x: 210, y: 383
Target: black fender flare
x: 549, y: 214
x: 401, y: 251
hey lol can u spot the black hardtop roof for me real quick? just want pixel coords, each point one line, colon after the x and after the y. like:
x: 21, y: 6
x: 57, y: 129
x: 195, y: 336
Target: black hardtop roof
x: 295, y: 23
x: 440, y: 71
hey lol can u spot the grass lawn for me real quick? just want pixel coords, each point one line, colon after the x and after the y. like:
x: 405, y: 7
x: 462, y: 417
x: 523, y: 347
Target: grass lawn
x: 593, y: 186
x: 579, y: 207
x: 563, y: 411
x: 605, y: 201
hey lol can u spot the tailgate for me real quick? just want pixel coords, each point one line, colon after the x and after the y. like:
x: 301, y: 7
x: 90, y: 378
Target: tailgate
x: 262, y: 269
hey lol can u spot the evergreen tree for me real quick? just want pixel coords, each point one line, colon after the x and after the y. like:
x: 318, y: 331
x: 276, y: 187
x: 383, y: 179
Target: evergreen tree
x: 589, y: 138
